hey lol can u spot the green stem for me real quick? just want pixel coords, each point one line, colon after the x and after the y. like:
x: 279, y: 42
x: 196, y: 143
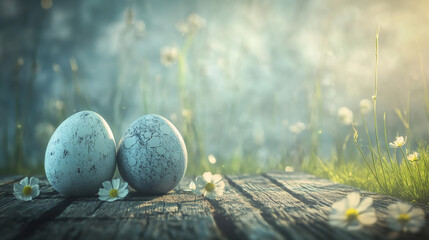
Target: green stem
x: 408, y: 167
x: 369, y: 166
x: 370, y: 145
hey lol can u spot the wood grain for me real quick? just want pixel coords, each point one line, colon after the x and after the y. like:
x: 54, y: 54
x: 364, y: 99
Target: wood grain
x: 268, y: 206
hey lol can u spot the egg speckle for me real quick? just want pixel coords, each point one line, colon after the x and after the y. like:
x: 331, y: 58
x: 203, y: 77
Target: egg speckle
x: 80, y: 155
x: 152, y: 155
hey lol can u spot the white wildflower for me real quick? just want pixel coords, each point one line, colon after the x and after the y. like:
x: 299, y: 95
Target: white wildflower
x: 25, y: 190
x: 413, y: 157
x: 399, y: 142
x: 403, y: 217
x: 351, y: 213
x: 209, y: 185
x: 113, y: 190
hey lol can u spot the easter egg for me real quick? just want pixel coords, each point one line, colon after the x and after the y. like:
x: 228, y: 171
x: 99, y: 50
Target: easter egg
x: 80, y: 155
x: 152, y: 155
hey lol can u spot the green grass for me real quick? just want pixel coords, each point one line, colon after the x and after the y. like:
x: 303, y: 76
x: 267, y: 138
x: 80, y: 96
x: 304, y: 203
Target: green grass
x: 383, y: 169
x: 407, y: 181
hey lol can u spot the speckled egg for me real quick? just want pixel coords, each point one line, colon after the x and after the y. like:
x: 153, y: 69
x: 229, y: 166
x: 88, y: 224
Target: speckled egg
x: 80, y: 155
x: 152, y: 155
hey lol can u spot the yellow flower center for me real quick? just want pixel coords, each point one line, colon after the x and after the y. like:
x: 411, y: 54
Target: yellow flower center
x: 351, y: 214
x: 113, y: 193
x: 27, y: 190
x: 209, y: 187
x: 403, y: 218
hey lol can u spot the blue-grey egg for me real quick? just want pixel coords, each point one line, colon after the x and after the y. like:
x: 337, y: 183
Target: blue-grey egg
x: 152, y: 155
x: 80, y: 155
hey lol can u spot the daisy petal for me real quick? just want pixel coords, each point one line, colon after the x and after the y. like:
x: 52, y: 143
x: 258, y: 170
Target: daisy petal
x: 393, y: 210
x: 123, y: 193
x: 122, y: 186
x: 220, y: 184
x: 216, y: 178
x: 354, y: 226
x: 103, y: 192
x: 416, y: 223
x: 208, y: 176
x: 17, y: 195
x: 35, y: 191
x: 116, y: 183
x: 364, y: 204
x: 353, y: 200
x: 404, y: 207
x: 26, y: 198
x: 337, y: 223
x: 200, y: 181
x: 417, y: 213
x: 340, y: 205
x: 211, y: 195
x: 24, y: 181
x: 18, y: 188
x: 219, y: 191
x: 34, y: 181
x: 367, y: 218
x: 107, y: 185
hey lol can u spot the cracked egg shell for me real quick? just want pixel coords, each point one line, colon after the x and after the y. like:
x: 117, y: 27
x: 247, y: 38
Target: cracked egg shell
x: 80, y: 155
x: 152, y: 155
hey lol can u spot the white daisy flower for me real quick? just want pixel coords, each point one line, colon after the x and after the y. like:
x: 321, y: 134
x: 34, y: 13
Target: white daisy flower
x: 209, y: 185
x: 399, y: 142
x: 113, y: 190
x: 25, y: 190
x: 351, y: 213
x: 345, y: 115
x: 413, y: 157
x: 403, y: 217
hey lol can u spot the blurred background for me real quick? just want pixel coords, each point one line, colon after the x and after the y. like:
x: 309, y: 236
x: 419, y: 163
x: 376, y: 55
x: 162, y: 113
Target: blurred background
x: 251, y: 85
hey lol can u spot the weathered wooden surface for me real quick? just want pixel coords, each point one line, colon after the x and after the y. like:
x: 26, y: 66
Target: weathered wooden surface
x: 268, y: 206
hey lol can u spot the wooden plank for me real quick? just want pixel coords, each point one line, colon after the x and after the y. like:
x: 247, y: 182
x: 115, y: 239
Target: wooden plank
x: 92, y: 229
x: 294, y: 218
x: 17, y: 209
x: 18, y: 218
x: 237, y: 218
x: 174, y: 215
x: 234, y: 214
x: 323, y: 193
x: 10, y: 228
x: 9, y: 179
x: 80, y: 209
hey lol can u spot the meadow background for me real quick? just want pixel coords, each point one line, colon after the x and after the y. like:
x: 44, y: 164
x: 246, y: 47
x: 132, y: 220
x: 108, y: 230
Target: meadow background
x: 252, y: 85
